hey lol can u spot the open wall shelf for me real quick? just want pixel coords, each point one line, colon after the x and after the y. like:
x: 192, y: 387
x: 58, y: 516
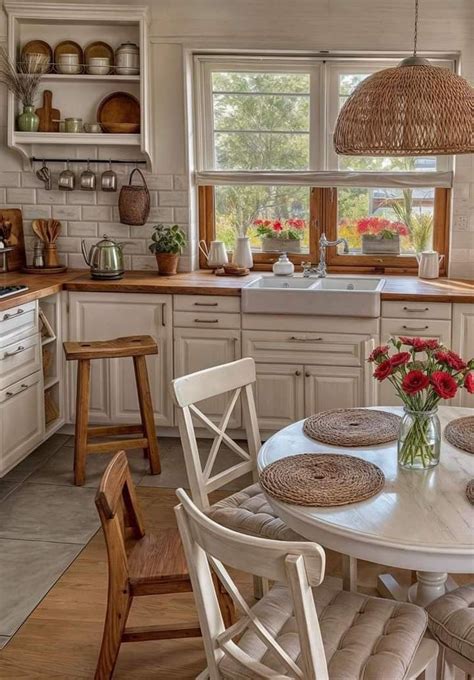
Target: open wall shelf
x: 79, y: 95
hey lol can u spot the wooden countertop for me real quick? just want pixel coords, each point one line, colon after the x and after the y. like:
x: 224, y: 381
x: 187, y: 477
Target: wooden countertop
x: 205, y: 283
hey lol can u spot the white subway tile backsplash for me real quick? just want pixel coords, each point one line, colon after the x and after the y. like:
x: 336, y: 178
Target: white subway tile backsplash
x: 116, y: 229
x: 180, y: 182
x: 97, y: 213
x: 159, y: 181
x: 107, y: 197
x: 181, y: 215
x: 81, y: 197
x: 21, y: 196
x: 82, y: 229
x: 9, y: 179
x: 173, y: 198
x: 68, y: 245
x: 75, y: 261
x: 161, y: 215
x: 53, y: 197
x: 30, y: 180
x: 144, y: 262
x: 66, y: 212
x: 36, y: 212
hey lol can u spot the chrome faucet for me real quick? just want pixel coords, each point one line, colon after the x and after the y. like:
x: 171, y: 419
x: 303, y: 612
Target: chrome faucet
x: 321, y: 270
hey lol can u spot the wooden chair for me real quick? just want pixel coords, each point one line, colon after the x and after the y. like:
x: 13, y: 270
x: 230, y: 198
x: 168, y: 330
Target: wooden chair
x: 154, y: 566
x: 283, y: 636
x: 137, y: 347
x: 246, y: 511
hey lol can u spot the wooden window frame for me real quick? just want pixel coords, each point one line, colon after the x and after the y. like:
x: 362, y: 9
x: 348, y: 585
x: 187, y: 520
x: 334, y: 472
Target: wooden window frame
x: 323, y: 217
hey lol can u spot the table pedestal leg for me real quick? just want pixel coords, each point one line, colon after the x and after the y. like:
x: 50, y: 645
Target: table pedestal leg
x: 428, y: 587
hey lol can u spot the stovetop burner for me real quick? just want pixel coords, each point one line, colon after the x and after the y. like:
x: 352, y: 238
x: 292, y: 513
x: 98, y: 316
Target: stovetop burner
x: 5, y: 291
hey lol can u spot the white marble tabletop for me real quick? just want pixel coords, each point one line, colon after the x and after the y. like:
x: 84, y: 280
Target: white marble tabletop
x: 420, y: 520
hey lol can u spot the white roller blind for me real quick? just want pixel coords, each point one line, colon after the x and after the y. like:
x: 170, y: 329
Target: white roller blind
x: 329, y: 178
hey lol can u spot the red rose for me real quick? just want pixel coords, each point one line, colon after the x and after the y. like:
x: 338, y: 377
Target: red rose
x: 431, y: 344
x: 418, y: 344
x: 383, y: 370
x: 378, y: 352
x: 414, y: 382
x: 444, y: 384
x: 469, y: 382
x: 400, y: 358
x: 451, y: 359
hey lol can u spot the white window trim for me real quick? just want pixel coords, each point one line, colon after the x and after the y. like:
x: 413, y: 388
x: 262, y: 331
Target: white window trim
x: 323, y: 171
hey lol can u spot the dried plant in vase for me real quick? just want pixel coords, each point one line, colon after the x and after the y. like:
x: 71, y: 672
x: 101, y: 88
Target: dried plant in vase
x: 23, y: 81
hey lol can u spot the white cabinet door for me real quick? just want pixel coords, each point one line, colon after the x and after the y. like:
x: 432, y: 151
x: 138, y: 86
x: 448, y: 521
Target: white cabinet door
x: 196, y: 349
x: 279, y: 395
x: 21, y: 420
x: 423, y: 328
x: 103, y: 316
x: 328, y: 387
x: 463, y: 343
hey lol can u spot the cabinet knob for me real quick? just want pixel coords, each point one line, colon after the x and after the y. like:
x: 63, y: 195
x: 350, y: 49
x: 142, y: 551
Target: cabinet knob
x: 297, y: 372
x: 307, y: 374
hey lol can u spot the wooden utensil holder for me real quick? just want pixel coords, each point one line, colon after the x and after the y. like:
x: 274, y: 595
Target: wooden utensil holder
x: 50, y: 254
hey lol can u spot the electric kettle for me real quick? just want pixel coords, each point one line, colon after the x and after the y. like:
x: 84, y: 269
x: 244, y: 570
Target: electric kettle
x: 428, y: 264
x: 105, y: 258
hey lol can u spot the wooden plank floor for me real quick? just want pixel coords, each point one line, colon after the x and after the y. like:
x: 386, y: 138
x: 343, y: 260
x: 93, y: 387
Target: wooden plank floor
x: 61, y: 638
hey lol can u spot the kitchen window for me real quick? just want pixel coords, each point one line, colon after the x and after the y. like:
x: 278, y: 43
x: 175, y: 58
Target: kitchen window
x: 266, y: 167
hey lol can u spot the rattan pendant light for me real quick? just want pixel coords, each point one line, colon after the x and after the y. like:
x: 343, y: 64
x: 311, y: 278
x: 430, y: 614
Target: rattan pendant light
x: 414, y: 109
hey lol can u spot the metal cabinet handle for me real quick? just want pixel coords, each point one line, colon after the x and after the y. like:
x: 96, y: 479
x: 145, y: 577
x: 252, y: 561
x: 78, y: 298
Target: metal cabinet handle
x: 12, y: 354
x: 421, y: 311
x: 206, y: 320
x: 294, y: 338
x: 206, y: 304
x: 415, y: 328
x: 297, y: 372
x: 13, y: 394
x: 10, y: 316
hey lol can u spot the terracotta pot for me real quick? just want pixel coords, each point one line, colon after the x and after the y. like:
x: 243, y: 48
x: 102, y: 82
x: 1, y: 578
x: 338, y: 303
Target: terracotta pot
x: 167, y: 263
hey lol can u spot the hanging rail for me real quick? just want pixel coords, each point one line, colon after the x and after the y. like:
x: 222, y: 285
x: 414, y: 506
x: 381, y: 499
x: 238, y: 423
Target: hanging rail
x: 33, y: 159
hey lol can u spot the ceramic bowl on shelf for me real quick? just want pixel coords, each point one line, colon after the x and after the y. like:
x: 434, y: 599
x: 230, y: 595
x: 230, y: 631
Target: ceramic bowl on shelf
x: 98, y: 66
x: 68, y: 64
x: 127, y: 60
x: 92, y: 128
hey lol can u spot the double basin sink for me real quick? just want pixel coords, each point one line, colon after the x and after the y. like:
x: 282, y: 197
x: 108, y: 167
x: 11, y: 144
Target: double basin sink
x: 331, y: 296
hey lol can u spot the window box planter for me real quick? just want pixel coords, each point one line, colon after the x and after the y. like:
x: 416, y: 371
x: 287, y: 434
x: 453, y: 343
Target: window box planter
x: 281, y: 245
x: 378, y: 245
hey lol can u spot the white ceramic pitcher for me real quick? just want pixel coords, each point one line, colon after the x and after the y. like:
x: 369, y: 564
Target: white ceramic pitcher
x: 216, y: 255
x: 428, y: 264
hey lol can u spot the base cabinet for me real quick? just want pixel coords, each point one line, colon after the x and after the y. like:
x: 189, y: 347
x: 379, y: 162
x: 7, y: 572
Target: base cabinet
x: 102, y: 316
x: 196, y: 349
x: 279, y: 395
x: 328, y: 387
x: 463, y: 344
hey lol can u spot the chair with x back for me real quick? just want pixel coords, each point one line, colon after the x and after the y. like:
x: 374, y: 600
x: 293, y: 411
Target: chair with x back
x: 302, y: 628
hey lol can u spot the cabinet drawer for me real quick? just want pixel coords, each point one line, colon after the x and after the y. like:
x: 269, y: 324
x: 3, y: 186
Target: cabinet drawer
x: 332, y: 349
x: 416, y: 310
x: 18, y: 321
x: 206, y: 320
x: 425, y: 328
x: 203, y: 303
x: 20, y: 359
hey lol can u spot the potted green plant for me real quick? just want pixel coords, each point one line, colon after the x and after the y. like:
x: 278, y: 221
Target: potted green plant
x: 167, y: 245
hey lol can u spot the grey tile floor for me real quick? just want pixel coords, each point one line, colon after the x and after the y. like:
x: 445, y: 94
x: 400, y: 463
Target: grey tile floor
x: 45, y: 520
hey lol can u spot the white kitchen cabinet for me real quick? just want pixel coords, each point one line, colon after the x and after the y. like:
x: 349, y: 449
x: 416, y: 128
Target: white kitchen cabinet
x: 438, y: 329
x: 199, y: 348
x: 21, y: 420
x: 279, y: 395
x: 463, y: 343
x: 103, y: 316
x: 328, y: 387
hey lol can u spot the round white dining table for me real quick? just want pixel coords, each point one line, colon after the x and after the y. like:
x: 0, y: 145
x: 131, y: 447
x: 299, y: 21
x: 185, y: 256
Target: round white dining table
x: 421, y: 520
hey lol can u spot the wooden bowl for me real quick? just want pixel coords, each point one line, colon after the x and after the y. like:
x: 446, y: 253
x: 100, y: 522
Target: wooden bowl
x: 121, y: 128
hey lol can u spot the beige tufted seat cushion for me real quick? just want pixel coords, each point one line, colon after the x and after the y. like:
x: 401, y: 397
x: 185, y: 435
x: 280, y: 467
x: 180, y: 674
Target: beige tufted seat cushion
x: 451, y: 620
x: 365, y: 638
x: 249, y: 512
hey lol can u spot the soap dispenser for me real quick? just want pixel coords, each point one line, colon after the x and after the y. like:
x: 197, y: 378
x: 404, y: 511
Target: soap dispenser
x: 283, y: 266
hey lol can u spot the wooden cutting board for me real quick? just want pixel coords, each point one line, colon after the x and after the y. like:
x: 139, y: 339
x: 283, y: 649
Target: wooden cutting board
x: 16, y: 258
x: 47, y: 114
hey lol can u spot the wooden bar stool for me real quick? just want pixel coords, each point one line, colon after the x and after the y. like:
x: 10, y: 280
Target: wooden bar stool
x: 137, y: 347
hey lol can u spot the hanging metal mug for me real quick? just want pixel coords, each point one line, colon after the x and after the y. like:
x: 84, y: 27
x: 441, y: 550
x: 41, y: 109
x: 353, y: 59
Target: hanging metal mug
x: 87, y: 179
x: 67, y: 179
x: 108, y: 180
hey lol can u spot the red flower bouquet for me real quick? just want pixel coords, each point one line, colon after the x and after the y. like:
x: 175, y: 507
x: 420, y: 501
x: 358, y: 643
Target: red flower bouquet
x: 291, y: 228
x: 421, y: 381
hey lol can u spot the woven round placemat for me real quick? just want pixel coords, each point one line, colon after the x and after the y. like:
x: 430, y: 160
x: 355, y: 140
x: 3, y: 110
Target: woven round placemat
x: 470, y: 491
x: 460, y: 433
x: 322, y: 479
x: 352, y: 427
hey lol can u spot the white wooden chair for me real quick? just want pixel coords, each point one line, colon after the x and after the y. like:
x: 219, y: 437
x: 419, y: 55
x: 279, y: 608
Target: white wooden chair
x: 300, y: 628
x: 247, y: 511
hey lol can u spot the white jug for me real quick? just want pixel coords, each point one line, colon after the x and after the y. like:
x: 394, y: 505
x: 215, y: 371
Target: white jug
x: 216, y: 255
x: 243, y: 253
x: 428, y: 264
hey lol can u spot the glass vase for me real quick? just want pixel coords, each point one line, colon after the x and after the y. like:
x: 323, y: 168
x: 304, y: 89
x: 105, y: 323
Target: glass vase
x: 419, y: 440
x: 28, y: 121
